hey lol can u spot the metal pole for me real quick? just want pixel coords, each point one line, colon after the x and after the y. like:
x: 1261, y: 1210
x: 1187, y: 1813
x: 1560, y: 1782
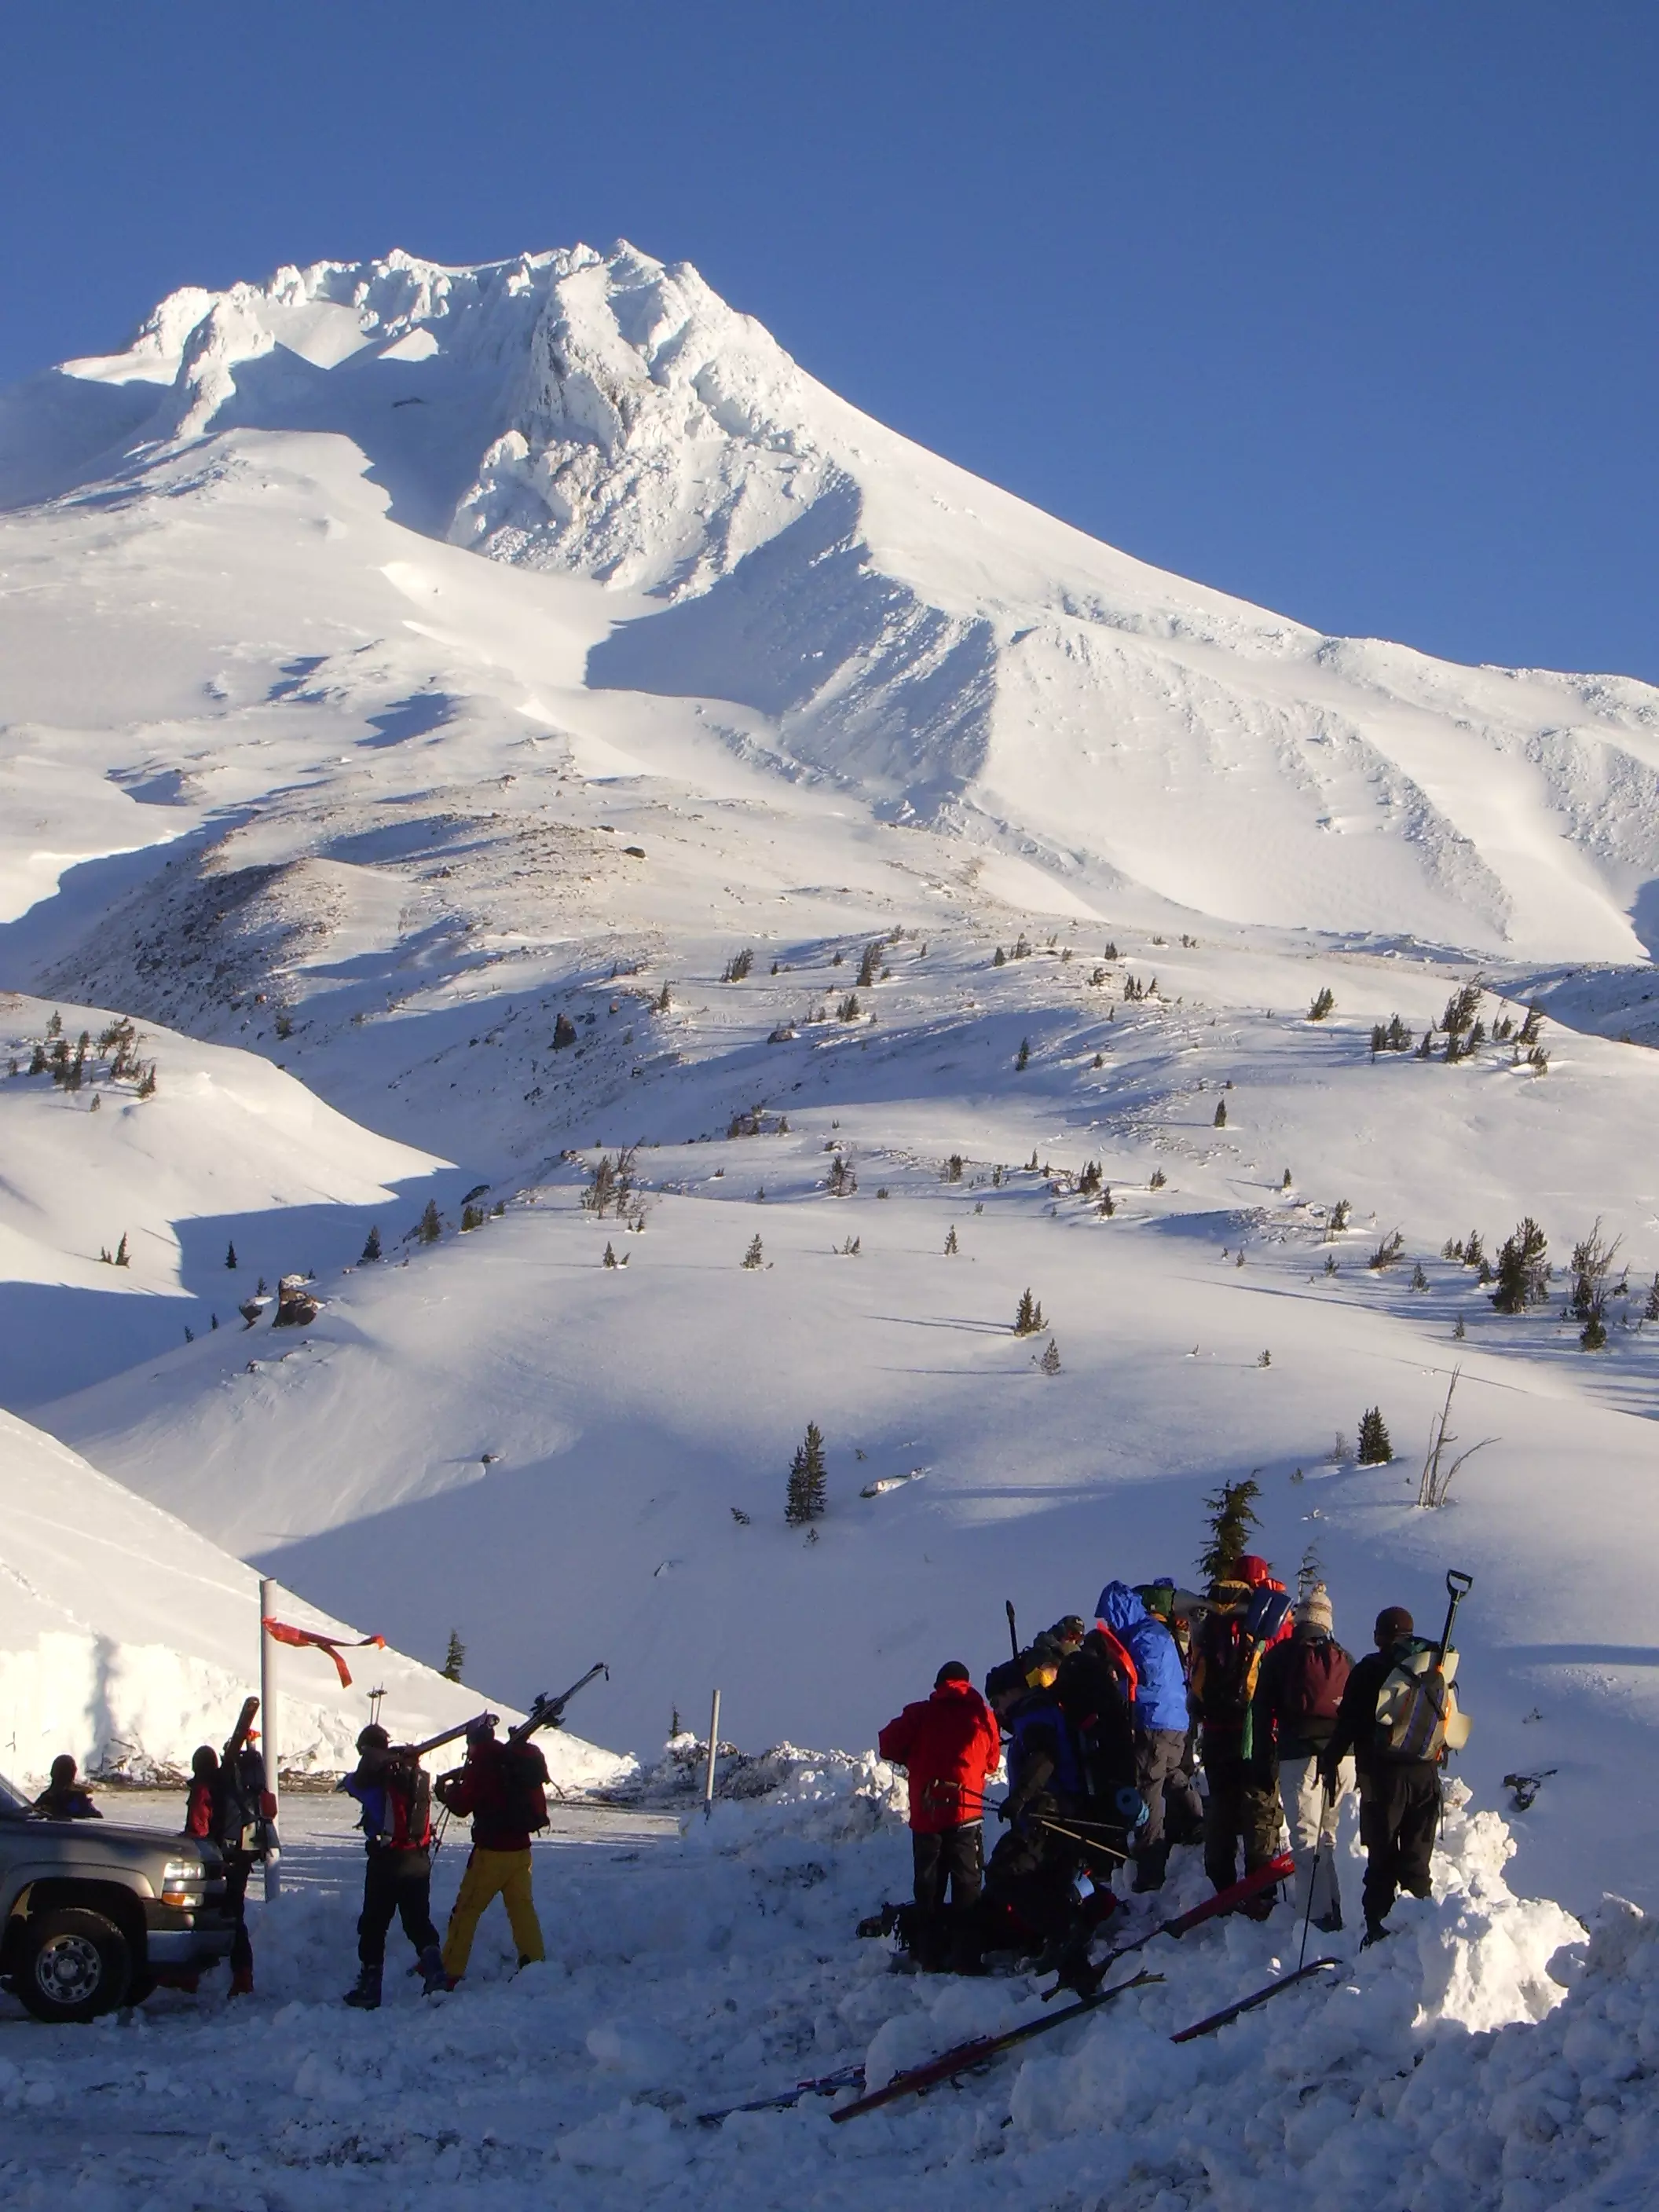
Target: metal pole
x: 268, y: 1715
x: 713, y: 1745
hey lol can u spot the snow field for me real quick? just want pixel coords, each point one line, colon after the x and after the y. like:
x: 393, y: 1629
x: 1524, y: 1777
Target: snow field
x: 1450, y: 2068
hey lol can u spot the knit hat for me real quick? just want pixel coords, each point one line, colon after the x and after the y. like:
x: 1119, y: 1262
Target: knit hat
x: 1394, y: 1625
x: 373, y: 1738
x: 951, y: 1671
x: 1314, y: 1616
x: 1254, y: 1570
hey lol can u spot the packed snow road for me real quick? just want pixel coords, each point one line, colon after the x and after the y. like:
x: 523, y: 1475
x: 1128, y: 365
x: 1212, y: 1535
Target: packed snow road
x: 1489, y: 2056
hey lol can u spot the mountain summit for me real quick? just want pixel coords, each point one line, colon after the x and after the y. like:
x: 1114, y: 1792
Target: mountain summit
x: 939, y: 651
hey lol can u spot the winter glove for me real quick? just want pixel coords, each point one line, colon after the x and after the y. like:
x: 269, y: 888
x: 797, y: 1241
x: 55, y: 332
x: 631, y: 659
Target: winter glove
x: 1132, y: 1808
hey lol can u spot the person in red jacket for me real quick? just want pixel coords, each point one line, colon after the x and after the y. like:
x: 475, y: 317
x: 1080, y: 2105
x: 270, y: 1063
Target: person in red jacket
x: 951, y: 1746
x: 502, y: 1789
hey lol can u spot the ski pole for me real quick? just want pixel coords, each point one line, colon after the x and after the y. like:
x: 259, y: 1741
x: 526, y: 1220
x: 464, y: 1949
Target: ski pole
x: 1313, y: 1871
x: 1013, y: 1633
x: 1105, y: 1849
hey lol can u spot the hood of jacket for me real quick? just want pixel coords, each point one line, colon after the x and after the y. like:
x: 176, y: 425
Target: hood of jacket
x: 1120, y: 1609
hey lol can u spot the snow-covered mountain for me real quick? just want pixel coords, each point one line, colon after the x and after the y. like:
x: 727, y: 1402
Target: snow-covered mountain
x: 886, y: 625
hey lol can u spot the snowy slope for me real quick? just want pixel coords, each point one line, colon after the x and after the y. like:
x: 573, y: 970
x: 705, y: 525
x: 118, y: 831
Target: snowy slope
x: 228, y: 1155
x: 127, y: 1639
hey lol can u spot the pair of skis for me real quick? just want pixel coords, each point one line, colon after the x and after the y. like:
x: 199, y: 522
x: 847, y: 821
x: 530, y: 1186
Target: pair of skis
x: 966, y: 2057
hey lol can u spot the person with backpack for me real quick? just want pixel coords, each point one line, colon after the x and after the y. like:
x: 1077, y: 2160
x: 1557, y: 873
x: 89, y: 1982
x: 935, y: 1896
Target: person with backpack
x: 502, y: 1789
x: 1399, y: 1782
x: 1157, y: 1714
x: 1249, y: 1613
x: 220, y: 1809
x: 951, y: 1746
x: 1298, y: 1692
x: 396, y: 1796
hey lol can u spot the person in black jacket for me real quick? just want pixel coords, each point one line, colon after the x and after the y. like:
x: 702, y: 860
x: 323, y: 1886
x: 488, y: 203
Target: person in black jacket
x: 1398, y: 1798
x: 65, y: 1797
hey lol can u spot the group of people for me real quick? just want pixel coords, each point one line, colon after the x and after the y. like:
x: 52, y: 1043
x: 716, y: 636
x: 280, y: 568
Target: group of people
x: 500, y: 1787
x: 1223, y: 1719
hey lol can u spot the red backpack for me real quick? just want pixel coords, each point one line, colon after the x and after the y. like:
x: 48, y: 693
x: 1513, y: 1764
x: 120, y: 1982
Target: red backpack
x: 1315, y: 1679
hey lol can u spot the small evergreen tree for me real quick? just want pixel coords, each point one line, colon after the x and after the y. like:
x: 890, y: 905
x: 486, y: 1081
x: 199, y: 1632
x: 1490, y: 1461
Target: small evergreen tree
x: 806, y: 1499
x: 842, y: 1180
x: 429, y: 1228
x: 1324, y: 1003
x: 54, y: 1024
x: 472, y: 1217
x: 454, y: 1658
x: 848, y: 1009
x: 1420, y: 1280
x: 737, y: 967
x: 1232, y: 1515
x: 951, y: 1243
x: 870, y: 965
x: 1374, y: 1449
x: 1023, y: 1057
x: 1050, y: 1362
x: 231, y: 1260
x: 1157, y: 1181
x: 1221, y: 1114
x: 1460, y: 1331
x: 609, y: 1254
x: 953, y: 1169
x: 372, y: 1245
x: 1524, y: 1269
x: 1592, y: 1263
x: 665, y: 1001
x: 1000, y: 958
x: 754, y: 1257
x: 122, y: 1257
x: 147, y: 1082
x: 1028, y: 1316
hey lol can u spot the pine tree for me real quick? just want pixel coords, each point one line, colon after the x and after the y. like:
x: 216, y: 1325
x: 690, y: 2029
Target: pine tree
x: 429, y: 1228
x: 1028, y: 1316
x: 1324, y: 1003
x: 454, y: 1658
x: 609, y: 1254
x: 848, y: 1009
x: 805, y: 1499
x: 665, y: 1001
x: 1050, y: 1362
x: 1420, y: 1280
x: 1000, y: 958
x: 754, y: 1257
x: 953, y: 1169
x: 737, y: 967
x: 870, y: 965
x: 1023, y: 1057
x: 1232, y: 1515
x: 55, y: 1024
x: 1524, y: 1269
x: 1157, y: 1180
x: 1374, y: 1449
x: 564, y: 1033
x: 951, y: 1243
x: 372, y: 1245
x: 147, y: 1082
x: 1221, y: 1114
x: 231, y: 1260
x: 1460, y: 1331
x: 472, y: 1217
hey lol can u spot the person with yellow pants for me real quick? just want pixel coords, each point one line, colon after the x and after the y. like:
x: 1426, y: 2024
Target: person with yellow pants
x: 502, y: 1789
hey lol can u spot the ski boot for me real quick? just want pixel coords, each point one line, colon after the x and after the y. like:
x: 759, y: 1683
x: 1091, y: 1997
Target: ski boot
x: 434, y: 1981
x: 366, y: 1993
x: 1377, y: 1931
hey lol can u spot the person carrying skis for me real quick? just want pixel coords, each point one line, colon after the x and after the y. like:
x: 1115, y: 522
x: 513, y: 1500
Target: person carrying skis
x: 1158, y: 1713
x: 396, y: 1796
x: 1293, y: 1717
x: 502, y: 1789
x: 65, y: 1797
x: 951, y: 1746
x: 1250, y: 1612
x: 222, y: 1806
x: 1399, y: 1795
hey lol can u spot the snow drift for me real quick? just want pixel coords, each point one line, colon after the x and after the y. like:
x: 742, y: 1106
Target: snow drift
x: 127, y: 1639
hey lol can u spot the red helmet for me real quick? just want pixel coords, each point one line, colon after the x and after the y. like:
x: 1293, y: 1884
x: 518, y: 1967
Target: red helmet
x: 1254, y: 1570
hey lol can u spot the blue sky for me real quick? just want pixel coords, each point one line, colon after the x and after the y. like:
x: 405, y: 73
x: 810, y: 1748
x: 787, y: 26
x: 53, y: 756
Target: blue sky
x: 1350, y: 309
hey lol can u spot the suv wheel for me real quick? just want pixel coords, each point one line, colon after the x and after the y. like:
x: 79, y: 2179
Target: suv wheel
x: 73, y: 1964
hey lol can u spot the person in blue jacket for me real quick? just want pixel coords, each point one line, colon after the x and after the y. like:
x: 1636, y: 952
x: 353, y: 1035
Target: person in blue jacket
x: 1158, y: 1707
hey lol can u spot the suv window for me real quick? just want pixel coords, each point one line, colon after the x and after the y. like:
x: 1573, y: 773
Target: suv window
x: 14, y: 1806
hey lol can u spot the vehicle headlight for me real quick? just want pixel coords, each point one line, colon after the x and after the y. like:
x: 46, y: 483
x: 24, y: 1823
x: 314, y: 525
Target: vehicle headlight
x: 182, y: 1881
